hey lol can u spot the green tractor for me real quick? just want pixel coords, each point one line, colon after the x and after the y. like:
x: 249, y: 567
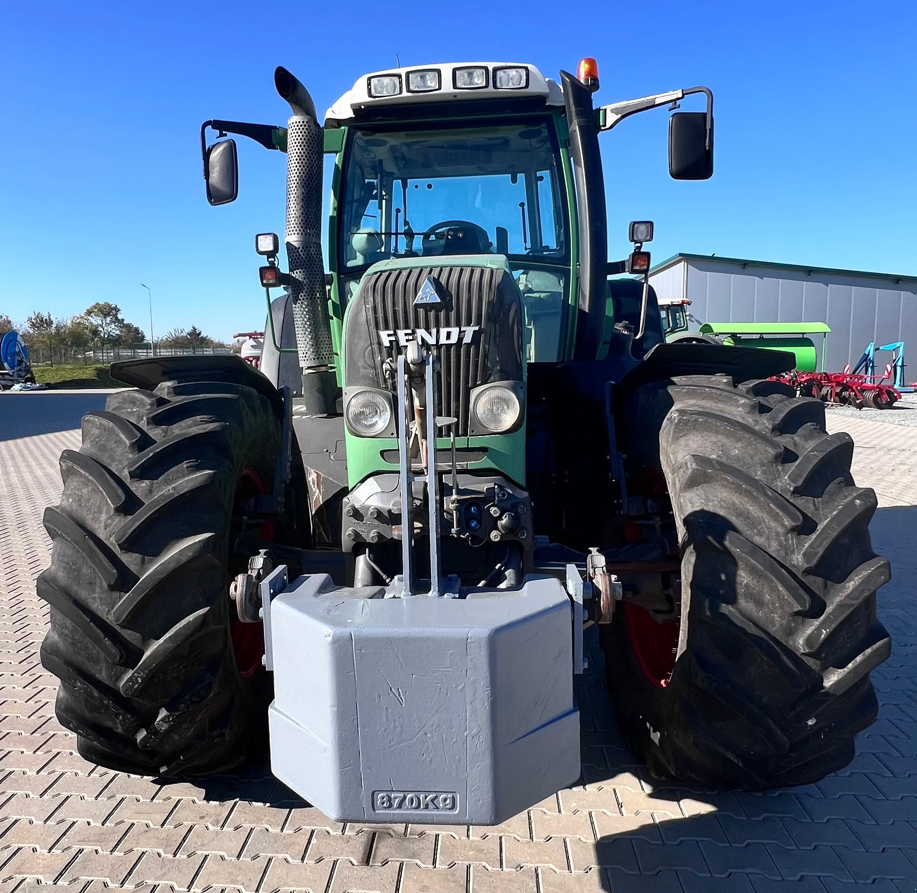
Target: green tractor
x: 468, y: 442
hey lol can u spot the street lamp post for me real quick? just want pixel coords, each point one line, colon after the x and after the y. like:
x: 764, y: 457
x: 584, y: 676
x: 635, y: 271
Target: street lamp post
x: 150, y: 294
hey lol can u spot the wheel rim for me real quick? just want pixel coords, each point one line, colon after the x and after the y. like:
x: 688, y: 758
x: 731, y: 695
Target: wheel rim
x: 248, y: 638
x: 654, y: 645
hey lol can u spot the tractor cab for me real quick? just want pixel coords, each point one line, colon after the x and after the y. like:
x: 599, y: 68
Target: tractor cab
x: 674, y: 314
x: 454, y: 161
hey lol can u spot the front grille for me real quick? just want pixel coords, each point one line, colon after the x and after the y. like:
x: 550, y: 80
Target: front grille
x: 471, y: 294
x: 464, y: 456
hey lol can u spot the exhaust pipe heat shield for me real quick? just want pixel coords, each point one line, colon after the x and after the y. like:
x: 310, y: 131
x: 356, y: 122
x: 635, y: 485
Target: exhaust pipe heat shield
x: 305, y: 157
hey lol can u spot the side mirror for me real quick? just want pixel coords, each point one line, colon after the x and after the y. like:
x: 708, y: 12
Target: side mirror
x: 689, y: 156
x: 221, y: 172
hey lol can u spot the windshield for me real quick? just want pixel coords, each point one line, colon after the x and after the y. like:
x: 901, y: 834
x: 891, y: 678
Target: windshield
x: 674, y: 318
x: 452, y: 191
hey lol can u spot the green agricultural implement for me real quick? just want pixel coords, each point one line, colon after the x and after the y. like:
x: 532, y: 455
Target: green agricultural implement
x: 790, y: 337
x: 468, y: 442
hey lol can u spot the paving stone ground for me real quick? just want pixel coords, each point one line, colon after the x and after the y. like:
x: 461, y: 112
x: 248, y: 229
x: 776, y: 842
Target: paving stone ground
x: 65, y: 823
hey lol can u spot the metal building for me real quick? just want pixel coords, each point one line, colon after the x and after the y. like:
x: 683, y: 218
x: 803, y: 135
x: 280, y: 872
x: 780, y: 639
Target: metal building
x: 858, y: 306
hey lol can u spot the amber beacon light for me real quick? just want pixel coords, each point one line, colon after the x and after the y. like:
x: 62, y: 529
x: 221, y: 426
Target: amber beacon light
x: 587, y: 73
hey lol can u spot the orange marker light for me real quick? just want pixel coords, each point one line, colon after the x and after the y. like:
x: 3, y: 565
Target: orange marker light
x: 587, y: 73
x: 639, y: 262
x: 270, y: 276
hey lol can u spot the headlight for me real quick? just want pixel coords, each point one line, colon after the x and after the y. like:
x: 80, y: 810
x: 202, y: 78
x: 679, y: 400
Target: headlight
x: 368, y: 413
x: 497, y: 408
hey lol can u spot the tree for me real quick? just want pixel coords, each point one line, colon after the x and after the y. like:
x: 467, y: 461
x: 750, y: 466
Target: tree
x: 130, y: 335
x: 195, y: 337
x: 6, y: 324
x: 78, y: 334
x: 106, y: 321
x: 42, y: 324
x: 61, y: 342
x: 176, y: 339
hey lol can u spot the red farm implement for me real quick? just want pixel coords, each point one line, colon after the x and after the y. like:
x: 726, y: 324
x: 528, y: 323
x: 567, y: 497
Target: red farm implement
x: 847, y: 388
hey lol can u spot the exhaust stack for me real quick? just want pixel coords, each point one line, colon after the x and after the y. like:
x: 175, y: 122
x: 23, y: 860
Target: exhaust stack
x: 305, y: 155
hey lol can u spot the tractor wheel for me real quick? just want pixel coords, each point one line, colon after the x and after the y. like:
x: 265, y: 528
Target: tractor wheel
x: 157, y: 674
x: 762, y: 678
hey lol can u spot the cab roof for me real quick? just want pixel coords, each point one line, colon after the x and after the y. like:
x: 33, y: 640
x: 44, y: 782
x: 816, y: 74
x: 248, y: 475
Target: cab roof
x: 359, y: 101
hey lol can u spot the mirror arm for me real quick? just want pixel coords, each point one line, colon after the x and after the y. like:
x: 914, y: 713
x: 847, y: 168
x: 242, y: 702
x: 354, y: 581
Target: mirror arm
x: 268, y: 136
x: 709, y: 94
x: 607, y: 116
x: 616, y: 266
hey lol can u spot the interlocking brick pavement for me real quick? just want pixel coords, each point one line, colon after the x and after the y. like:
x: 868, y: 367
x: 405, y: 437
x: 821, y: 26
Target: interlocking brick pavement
x: 70, y: 826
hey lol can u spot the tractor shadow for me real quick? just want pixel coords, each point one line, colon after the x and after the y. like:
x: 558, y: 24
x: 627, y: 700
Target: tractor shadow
x: 31, y: 414
x: 652, y: 835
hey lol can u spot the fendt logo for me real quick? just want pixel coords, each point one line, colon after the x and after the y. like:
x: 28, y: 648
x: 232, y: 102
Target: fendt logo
x: 444, y: 335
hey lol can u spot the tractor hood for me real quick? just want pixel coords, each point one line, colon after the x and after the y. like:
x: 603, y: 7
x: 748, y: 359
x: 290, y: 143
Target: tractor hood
x: 466, y: 308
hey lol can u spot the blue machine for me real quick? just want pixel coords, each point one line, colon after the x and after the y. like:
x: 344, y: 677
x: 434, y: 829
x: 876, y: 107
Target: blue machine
x: 866, y: 365
x: 14, y: 361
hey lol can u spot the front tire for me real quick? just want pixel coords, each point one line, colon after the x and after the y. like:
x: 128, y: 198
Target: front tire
x: 768, y: 676
x: 141, y: 625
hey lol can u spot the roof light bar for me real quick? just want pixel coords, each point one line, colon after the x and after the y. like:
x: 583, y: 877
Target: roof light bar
x: 424, y: 81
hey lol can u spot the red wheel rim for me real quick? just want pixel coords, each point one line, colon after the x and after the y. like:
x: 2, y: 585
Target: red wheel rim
x: 248, y: 638
x: 654, y: 645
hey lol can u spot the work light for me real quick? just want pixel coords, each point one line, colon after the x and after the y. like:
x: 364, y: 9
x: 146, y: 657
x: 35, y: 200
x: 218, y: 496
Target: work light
x: 640, y: 231
x: 423, y: 81
x: 471, y: 78
x: 385, y: 85
x: 511, y: 78
x: 267, y: 244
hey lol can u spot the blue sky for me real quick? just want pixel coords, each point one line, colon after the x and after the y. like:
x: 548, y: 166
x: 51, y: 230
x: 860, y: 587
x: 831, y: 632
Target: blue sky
x: 101, y: 103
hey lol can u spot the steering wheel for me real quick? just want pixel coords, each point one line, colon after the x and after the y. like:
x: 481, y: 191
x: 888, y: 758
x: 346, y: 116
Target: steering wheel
x: 458, y: 237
